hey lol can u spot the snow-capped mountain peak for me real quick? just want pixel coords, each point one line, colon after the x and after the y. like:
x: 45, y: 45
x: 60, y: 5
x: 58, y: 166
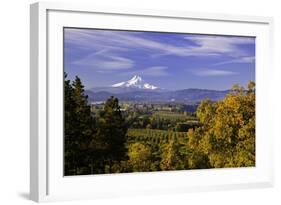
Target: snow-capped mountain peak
x: 135, y: 82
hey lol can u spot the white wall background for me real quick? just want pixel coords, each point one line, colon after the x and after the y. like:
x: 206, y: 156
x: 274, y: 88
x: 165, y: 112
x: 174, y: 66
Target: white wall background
x: 14, y: 101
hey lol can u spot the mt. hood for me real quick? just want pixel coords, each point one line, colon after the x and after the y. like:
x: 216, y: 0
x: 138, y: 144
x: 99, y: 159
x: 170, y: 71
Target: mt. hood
x: 137, y: 90
x: 135, y: 82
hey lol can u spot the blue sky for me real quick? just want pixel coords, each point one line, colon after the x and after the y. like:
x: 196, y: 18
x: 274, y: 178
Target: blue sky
x: 167, y: 60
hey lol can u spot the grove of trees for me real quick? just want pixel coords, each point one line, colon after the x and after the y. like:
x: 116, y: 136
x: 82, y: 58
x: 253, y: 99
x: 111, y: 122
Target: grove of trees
x: 91, y: 145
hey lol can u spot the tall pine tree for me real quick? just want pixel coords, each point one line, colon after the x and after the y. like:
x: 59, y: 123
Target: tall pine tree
x: 111, y: 130
x: 79, y: 126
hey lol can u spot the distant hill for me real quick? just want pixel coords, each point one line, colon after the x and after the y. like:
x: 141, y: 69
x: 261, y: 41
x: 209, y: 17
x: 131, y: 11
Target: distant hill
x: 184, y: 96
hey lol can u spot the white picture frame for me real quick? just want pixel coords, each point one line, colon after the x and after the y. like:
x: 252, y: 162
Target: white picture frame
x: 47, y: 182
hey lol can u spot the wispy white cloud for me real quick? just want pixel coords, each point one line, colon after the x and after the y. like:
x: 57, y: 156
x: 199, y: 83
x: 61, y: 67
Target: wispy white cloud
x: 92, y: 39
x: 105, y: 61
x: 213, y: 72
x: 118, y: 40
x: 220, y: 44
x: 153, y: 71
x: 156, y: 71
x: 246, y: 59
x: 202, y: 45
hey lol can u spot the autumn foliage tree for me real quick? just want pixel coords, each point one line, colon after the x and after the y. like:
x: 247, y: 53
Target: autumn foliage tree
x: 227, y: 135
x: 139, y: 157
x: 171, y: 156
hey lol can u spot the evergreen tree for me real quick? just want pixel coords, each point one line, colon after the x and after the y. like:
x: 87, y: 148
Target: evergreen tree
x: 111, y: 132
x: 70, y: 146
x: 79, y: 126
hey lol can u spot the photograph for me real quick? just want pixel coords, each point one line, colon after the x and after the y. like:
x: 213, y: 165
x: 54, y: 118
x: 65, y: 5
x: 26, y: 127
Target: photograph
x: 151, y: 101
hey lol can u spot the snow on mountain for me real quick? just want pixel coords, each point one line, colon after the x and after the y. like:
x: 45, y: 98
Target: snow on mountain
x: 135, y: 82
x: 148, y: 86
x: 119, y: 84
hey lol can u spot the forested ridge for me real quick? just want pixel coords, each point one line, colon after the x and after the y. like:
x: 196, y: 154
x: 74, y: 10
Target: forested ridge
x: 219, y: 134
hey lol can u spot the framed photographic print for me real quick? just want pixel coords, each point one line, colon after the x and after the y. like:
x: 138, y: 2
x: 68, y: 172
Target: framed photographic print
x: 127, y: 102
